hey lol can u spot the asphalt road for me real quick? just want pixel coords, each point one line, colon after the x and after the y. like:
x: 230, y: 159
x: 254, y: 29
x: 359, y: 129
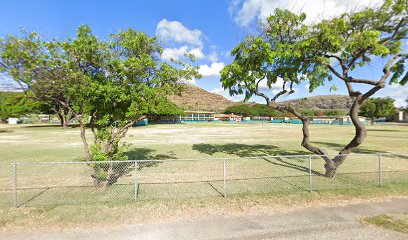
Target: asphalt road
x: 307, y: 223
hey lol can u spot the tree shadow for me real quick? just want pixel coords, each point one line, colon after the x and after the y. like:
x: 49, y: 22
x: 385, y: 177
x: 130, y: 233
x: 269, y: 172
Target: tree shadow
x: 287, y: 164
x: 46, y: 126
x: 33, y: 197
x: 244, y: 150
x: 6, y: 131
x: 338, y: 147
x: 257, y: 150
x: 143, y: 155
x: 385, y: 130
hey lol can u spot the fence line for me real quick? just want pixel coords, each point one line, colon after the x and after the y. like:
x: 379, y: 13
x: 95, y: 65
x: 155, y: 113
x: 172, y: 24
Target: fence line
x: 38, y: 183
x: 207, y: 159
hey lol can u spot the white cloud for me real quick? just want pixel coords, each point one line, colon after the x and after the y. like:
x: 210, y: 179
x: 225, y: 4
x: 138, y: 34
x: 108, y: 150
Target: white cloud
x: 183, y: 41
x: 177, y: 53
x: 197, y: 52
x: 177, y: 32
x: 174, y: 53
x: 395, y: 91
x: 246, y: 11
x: 7, y: 84
x: 211, y: 71
x: 213, y: 56
x: 275, y: 86
x: 191, y: 81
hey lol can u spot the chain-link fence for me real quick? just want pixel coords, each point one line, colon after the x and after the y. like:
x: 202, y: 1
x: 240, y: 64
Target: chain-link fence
x: 117, y: 182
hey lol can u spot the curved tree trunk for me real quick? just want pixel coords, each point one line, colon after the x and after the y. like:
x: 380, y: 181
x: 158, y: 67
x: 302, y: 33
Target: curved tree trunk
x: 63, y: 122
x: 85, y: 142
x: 360, y: 134
x: 331, y: 164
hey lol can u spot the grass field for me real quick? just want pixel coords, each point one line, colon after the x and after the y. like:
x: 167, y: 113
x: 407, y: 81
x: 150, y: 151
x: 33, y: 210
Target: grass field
x: 46, y: 191
x: 396, y: 222
x: 43, y: 143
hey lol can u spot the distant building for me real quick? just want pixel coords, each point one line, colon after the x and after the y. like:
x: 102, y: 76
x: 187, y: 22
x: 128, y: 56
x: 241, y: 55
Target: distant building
x: 400, y: 116
x: 197, y: 116
x: 228, y: 117
x: 280, y: 120
x: 13, y: 120
x: 345, y: 120
x: 43, y: 118
x: 190, y: 116
x: 260, y: 119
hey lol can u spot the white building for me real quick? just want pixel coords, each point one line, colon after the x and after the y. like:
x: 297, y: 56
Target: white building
x: 400, y: 116
x: 13, y: 120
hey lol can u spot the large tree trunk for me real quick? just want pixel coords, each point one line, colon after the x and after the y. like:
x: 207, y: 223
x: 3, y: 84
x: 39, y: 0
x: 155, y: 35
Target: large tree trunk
x: 332, y: 164
x: 85, y: 142
x: 63, y: 121
x: 360, y: 134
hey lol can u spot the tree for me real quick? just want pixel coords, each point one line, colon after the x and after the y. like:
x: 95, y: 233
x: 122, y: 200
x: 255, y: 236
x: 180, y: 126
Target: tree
x: 119, y: 81
x: 16, y: 104
x: 291, y: 51
x: 406, y: 108
x: 247, y: 110
x: 322, y: 112
x: 166, y: 107
x: 378, y: 107
x: 36, y: 65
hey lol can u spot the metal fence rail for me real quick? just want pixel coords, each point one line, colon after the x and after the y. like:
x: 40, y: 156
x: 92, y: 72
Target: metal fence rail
x: 117, y: 182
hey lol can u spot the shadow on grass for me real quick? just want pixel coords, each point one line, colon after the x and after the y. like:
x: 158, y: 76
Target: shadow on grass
x: 244, y: 150
x: 338, y: 147
x: 147, y: 154
x: 385, y: 130
x: 286, y: 164
x: 33, y: 197
x: 46, y: 126
x: 6, y: 131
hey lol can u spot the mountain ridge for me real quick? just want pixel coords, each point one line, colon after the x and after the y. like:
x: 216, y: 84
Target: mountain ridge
x: 194, y: 98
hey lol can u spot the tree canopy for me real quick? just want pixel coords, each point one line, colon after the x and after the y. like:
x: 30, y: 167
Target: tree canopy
x: 119, y: 81
x: 378, y: 108
x: 16, y: 104
x: 37, y: 65
x: 107, y: 85
x: 290, y: 51
x: 247, y: 110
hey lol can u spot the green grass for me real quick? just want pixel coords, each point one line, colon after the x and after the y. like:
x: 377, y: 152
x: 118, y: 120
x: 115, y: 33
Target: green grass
x: 25, y: 143
x: 62, y: 194
x: 395, y: 222
x: 108, y: 214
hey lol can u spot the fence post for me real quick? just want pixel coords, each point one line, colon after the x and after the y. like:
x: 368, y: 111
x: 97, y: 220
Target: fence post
x: 136, y: 185
x: 15, y: 200
x: 379, y: 170
x: 225, y: 179
x: 310, y: 174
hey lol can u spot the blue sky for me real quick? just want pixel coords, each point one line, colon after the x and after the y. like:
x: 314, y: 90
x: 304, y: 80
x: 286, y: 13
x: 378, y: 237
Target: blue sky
x: 209, y: 29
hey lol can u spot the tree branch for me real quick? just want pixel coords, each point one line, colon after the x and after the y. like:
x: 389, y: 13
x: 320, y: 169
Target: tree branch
x: 336, y: 73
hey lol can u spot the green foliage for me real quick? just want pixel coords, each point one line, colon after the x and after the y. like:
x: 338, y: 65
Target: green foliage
x: 166, y: 107
x: 294, y: 51
x: 247, y: 110
x: 335, y: 112
x: 121, y: 79
x: 16, y: 104
x: 38, y: 65
x: 378, y: 107
x: 107, y: 84
x: 323, y: 112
